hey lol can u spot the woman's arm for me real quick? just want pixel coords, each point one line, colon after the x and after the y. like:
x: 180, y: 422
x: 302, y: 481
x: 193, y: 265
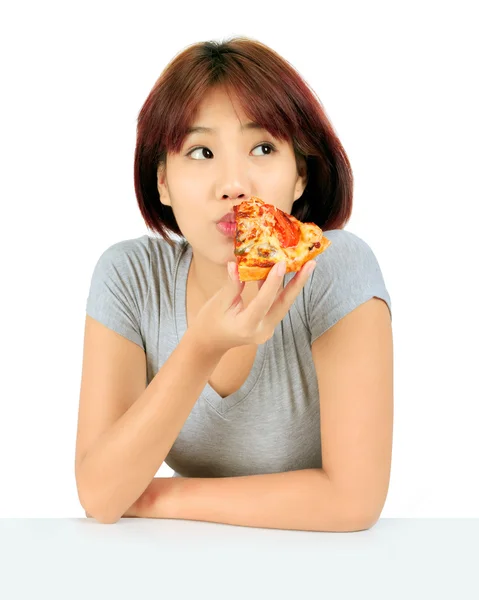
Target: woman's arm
x: 124, y: 457
x: 121, y: 464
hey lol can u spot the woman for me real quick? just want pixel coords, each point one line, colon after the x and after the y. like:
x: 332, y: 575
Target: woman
x: 226, y: 382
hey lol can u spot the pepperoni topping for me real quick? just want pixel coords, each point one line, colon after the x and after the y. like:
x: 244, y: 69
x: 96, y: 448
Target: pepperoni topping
x: 286, y: 229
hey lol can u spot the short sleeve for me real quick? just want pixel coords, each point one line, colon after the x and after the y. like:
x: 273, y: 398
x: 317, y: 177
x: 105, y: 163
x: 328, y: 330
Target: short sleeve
x: 119, y: 288
x: 347, y: 274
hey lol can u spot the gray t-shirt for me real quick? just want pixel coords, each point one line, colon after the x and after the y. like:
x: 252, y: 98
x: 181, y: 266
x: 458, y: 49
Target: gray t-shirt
x: 271, y: 424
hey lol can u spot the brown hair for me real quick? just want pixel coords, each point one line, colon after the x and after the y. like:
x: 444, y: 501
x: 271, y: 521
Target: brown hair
x: 271, y: 93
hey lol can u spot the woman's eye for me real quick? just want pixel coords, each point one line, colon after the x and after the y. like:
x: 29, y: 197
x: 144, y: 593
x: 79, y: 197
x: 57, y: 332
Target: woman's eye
x: 270, y: 147
x: 203, y: 150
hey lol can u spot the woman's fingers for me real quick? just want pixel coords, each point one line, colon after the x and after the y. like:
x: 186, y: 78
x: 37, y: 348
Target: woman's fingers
x: 271, y: 302
x: 259, y: 307
x: 231, y: 292
x: 285, y: 300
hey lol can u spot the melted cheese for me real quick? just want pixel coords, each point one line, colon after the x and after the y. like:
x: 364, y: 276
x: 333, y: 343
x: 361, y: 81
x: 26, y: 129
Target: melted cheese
x: 259, y: 231
x: 298, y: 253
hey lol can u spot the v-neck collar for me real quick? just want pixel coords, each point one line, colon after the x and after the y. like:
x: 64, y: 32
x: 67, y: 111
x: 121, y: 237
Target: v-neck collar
x: 209, y: 394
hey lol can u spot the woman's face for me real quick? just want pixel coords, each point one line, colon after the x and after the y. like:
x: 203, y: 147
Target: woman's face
x: 217, y: 170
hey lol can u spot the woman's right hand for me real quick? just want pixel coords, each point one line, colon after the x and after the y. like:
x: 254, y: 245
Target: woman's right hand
x: 223, y: 322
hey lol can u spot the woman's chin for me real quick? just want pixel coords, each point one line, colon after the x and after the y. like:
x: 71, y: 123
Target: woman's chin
x: 226, y: 256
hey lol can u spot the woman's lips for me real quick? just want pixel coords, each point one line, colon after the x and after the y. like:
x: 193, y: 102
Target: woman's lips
x: 228, y: 229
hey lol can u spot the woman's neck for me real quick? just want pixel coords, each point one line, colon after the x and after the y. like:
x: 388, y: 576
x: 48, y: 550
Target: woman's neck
x: 206, y: 279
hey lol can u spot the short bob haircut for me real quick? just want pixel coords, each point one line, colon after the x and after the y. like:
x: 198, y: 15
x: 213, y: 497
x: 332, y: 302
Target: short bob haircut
x: 271, y: 93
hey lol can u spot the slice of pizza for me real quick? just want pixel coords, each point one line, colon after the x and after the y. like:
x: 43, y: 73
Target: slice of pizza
x: 266, y: 235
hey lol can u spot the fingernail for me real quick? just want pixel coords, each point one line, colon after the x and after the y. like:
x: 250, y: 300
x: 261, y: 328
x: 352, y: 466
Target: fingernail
x: 310, y: 268
x: 281, y: 268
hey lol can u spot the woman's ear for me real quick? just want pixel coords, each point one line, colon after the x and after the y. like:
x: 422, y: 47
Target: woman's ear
x: 302, y: 179
x: 162, y: 185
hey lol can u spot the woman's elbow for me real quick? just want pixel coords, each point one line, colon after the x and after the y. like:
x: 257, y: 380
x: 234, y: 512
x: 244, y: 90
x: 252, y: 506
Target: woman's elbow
x: 103, y: 517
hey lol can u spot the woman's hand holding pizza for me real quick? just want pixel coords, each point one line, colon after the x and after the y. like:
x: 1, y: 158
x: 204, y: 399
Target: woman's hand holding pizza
x: 224, y: 322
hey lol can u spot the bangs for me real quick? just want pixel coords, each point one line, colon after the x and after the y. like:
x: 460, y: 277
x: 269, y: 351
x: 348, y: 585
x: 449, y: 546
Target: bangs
x: 263, y: 102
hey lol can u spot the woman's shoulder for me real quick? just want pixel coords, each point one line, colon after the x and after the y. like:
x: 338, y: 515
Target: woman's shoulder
x: 345, y: 247
x: 164, y: 252
x: 131, y: 264
x: 347, y: 274
x: 122, y: 280
x: 141, y: 254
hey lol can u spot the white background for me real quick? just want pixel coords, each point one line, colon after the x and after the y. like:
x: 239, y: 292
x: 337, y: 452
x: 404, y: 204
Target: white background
x: 398, y: 83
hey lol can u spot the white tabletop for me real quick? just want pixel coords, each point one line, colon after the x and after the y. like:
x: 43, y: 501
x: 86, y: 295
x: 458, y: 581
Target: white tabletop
x: 135, y: 558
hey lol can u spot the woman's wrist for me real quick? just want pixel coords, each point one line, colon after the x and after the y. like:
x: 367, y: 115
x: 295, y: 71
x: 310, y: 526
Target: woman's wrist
x: 209, y: 350
x: 158, y: 501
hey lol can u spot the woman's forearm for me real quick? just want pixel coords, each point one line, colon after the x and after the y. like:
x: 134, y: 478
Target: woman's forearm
x: 118, y: 468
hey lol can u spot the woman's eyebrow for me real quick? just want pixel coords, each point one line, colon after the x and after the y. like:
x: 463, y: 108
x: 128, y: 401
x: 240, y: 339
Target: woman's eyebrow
x: 202, y: 129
